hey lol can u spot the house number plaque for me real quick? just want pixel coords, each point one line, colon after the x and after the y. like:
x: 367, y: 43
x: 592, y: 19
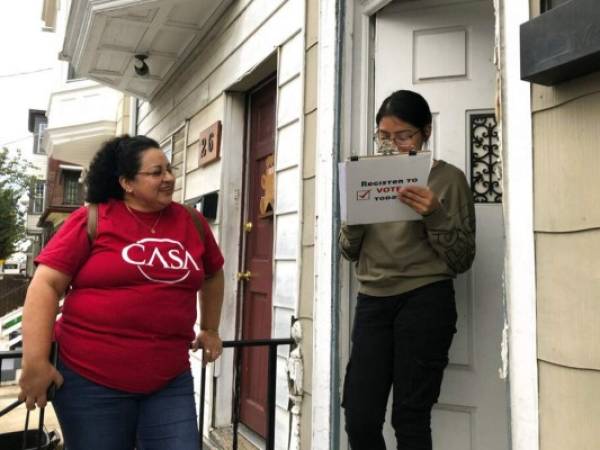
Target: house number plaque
x: 210, y: 144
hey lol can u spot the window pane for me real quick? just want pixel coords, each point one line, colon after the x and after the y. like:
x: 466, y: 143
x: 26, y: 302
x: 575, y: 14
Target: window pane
x: 41, y: 123
x: 71, y: 188
x: 38, y: 197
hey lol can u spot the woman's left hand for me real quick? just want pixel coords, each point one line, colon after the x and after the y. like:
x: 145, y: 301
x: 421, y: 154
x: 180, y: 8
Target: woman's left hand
x: 211, y: 343
x: 419, y: 198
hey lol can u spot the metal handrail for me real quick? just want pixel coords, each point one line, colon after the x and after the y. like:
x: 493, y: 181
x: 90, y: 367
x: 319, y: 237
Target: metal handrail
x: 271, y: 387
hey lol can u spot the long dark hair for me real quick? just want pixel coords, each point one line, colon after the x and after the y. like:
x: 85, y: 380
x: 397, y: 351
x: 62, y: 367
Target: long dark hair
x: 407, y: 106
x: 118, y: 157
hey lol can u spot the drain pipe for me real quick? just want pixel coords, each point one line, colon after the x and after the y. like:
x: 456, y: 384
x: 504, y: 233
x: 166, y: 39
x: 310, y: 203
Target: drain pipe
x: 325, y: 399
x: 335, y: 254
x: 184, y: 162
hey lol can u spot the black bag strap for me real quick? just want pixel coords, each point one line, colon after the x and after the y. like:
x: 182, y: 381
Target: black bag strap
x: 40, y: 431
x: 194, y: 213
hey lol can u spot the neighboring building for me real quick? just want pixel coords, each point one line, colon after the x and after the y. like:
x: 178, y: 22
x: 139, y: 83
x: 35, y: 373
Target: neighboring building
x: 26, y: 79
x: 82, y: 114
x: 37, y: 194
x: 229, y: 89
x: 64, y: 194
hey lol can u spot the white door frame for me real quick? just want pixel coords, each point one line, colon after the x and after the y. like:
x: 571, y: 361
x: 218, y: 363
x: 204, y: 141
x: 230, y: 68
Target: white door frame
x: 322, y: 421
x: 519, y: 267
x: 355, y: 116
x: 230, y: 211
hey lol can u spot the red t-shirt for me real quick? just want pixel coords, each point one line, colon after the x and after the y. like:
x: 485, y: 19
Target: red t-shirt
x: 128, y: 318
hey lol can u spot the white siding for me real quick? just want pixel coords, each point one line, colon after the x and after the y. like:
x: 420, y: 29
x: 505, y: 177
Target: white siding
x: 290, y: 102
x: 286, y: 284
x: 291, y: 59
x: 288, y: 183
x: 289, y: 146
x: 248, y: 34
x: 250, y: 39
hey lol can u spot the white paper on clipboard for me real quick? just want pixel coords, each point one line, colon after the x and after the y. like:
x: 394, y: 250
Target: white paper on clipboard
x: 369, y: 187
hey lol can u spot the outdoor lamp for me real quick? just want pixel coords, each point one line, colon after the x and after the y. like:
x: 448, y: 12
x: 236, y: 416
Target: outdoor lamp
x: 140, y: 66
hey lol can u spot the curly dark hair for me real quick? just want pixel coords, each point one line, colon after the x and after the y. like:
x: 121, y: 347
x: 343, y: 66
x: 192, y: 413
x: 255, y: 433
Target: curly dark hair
x: 118, y: 157
x: 408, y: 106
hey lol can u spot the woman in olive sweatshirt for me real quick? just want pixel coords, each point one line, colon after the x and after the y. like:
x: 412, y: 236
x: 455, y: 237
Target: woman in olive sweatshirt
x: 406, y: 314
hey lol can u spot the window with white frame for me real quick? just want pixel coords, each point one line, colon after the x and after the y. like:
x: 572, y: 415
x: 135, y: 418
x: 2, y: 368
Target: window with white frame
x: 41, y: 123
x: 71, y: 187
x: 37, y: 200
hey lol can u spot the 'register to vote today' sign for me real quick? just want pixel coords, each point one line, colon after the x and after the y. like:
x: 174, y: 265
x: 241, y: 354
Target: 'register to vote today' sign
x: 369, y: 187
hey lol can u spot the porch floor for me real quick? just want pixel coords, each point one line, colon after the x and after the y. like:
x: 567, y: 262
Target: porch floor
x: 222, y: 439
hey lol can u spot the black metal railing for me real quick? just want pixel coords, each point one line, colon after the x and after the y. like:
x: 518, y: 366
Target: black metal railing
x: 272, y: 345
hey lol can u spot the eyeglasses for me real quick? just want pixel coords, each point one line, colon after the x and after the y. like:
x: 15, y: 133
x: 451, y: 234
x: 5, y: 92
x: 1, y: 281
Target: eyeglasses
x: 384, y: 139
x: 160, y: 173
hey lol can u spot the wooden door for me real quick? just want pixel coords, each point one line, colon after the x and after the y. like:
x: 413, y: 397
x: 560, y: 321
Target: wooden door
x: 258, y: 257
x: 444, y: 50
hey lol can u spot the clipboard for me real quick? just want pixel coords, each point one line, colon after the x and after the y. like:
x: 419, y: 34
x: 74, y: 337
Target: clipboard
x: 369, y: 186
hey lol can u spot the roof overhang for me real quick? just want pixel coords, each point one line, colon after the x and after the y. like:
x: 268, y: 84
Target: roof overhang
x: 56, y: 215
x: 77, y: 144
x: 103, y: 36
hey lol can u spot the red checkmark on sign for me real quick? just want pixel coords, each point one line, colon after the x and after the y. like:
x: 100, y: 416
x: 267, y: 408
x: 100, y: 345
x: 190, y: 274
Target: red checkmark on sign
x: 363, y: 195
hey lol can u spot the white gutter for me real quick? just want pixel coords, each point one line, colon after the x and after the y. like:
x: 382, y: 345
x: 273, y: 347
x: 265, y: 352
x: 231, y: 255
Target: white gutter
x: 184, y: 163
x: 322, y: 425
x: 519, y: 268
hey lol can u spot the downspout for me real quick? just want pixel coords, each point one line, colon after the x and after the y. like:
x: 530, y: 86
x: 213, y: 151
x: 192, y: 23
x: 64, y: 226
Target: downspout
x: 334, y: 403
x: 184, y: 163
x: 133, y: 126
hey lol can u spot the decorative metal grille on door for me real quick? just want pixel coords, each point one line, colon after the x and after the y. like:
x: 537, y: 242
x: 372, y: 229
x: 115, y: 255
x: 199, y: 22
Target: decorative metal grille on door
x: 485, y: 158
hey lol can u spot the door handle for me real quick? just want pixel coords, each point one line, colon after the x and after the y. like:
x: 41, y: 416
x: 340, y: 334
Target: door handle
x: 244, y: 276
x: 248, y: 227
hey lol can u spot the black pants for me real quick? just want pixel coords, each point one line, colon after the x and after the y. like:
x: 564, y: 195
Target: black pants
x: 402, y: 341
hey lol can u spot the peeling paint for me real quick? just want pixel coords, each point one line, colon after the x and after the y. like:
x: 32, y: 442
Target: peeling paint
x: 503, y: 371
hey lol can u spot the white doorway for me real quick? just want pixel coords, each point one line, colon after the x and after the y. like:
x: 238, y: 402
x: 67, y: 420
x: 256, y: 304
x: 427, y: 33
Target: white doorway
x: 444, y: 50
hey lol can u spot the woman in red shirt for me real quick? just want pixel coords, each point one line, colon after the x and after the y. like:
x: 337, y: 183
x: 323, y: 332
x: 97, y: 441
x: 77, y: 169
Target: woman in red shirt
x: 129, y: 310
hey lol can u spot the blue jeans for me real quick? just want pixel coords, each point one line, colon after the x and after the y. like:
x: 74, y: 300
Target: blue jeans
x: 94, y: 417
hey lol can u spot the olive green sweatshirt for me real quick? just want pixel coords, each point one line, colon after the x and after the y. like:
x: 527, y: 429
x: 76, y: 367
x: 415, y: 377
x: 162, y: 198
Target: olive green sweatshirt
x: 396, y: 257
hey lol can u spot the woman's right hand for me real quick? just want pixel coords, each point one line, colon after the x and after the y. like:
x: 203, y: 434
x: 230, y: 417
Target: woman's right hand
x: 36, y: 378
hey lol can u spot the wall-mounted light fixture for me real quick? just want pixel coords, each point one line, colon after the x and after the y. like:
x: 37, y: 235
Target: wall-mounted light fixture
x: 140, y: 66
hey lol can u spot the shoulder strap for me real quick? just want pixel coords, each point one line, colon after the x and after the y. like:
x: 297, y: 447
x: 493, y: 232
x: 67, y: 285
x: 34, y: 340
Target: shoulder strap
x: 197, y: 222
x: 92, y: 221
